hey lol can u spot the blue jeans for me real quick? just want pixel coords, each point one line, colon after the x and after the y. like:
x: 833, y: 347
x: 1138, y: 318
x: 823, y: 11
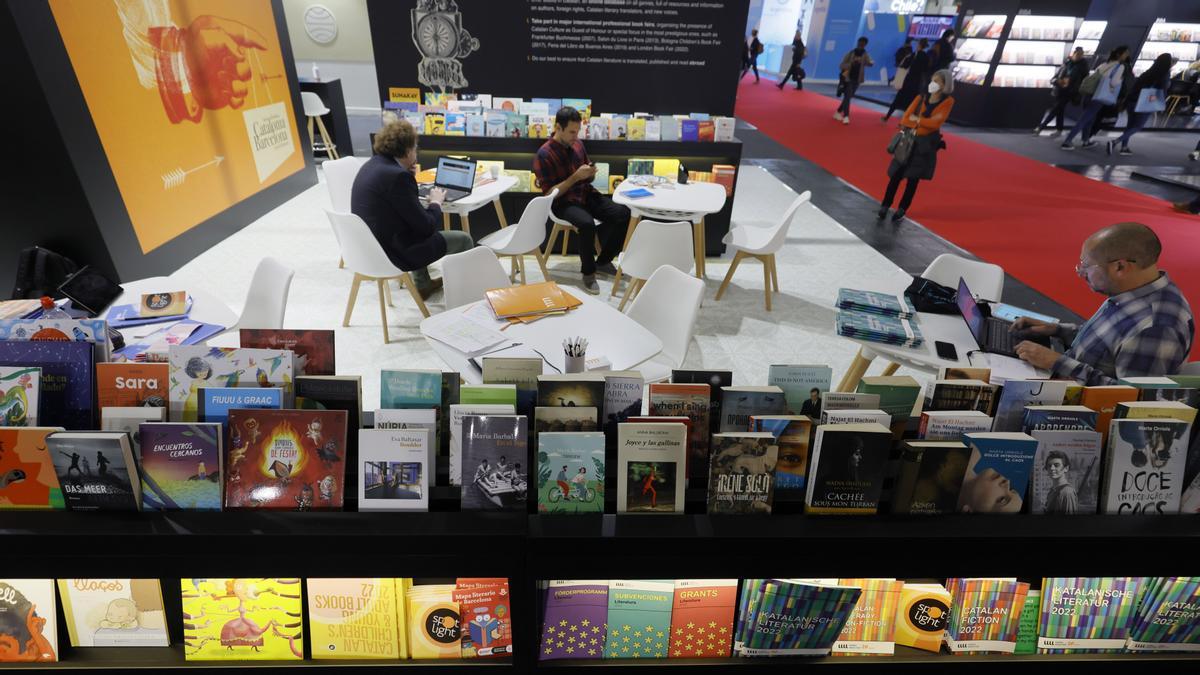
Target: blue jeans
x: 1085, y: 122
x: 1137, y: 122
x: 457, y: 241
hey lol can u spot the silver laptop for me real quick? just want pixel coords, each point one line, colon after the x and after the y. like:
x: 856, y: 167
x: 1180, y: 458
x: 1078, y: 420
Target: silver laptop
x: 455, y: 176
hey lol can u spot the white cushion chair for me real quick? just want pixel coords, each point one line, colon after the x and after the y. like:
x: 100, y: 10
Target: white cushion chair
x: 667, y: 306
x: 525, y: 237
x: 468, y: 275
x: 339, y: 179
x: 266, y: 301
x: 314, y: 108
x: 653, y: 245
x: 985, y: 279
x: 365, y: 257
x: 761, y: 240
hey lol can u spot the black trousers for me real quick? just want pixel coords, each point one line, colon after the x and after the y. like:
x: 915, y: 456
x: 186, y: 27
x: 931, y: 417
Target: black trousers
x: 901, y: 101
x: 1056, y: 113
x: 748, y: 64
x: 905, y: 199
x: 614, y: 222
x: 793, y: 73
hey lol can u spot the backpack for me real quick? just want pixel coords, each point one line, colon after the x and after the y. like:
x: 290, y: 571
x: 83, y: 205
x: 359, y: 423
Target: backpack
x: 1092, y: 81
x: 40, y: 271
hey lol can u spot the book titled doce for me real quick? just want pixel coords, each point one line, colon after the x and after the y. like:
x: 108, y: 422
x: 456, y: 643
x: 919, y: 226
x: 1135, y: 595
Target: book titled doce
x: 286, y: 459
x: 1144, y: 467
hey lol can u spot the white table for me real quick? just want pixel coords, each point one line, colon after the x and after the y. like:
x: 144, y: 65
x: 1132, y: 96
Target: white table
x: 479, y: 197
x: 688, y: 202
x: 611, y: 334
x: 206, y: 307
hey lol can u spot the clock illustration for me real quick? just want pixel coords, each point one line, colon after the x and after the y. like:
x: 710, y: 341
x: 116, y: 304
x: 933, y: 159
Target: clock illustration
x: 436, y: 34
x: 440, y: 39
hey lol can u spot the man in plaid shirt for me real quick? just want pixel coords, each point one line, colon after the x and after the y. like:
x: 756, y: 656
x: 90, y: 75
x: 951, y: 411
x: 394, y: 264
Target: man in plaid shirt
x: 562, y: 163
x: 1145, y: 327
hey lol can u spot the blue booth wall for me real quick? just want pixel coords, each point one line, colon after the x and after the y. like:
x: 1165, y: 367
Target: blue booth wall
x: 845, y: 22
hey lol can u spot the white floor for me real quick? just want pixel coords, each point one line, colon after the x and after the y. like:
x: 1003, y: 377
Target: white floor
x: 736, y: 333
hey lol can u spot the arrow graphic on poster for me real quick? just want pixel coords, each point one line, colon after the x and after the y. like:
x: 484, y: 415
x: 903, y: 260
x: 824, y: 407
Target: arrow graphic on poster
x: 177, y: 176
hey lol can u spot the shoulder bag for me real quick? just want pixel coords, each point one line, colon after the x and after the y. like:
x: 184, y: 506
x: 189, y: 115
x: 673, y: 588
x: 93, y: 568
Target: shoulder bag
x: 1150, y: 100
x: 901, y: 145
x: 1109, y: 88
x: 898, y: 80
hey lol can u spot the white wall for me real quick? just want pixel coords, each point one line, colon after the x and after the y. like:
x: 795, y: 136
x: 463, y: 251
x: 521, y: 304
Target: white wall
x: 349, y: 56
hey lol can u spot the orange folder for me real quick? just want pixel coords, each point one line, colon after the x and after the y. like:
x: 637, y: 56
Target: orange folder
x: 529, y: 300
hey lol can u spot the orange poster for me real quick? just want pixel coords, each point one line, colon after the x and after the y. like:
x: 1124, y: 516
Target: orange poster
x: 190, y: 100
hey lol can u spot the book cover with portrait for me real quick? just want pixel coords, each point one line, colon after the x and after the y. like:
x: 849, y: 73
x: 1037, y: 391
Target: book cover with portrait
x: 997, y: 473
x: 848, y: 465
x: 1066, y: 472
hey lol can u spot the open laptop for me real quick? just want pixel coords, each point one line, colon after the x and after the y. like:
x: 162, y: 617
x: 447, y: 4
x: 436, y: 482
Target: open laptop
x: 455, y: 176
x: 992, y: 334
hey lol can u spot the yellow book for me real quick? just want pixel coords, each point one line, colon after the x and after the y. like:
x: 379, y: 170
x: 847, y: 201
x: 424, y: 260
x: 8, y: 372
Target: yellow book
x: 922, y: 616
x: 614, y: 181
x: 434, y: 630
x: 668, y: 168
x: 1175, y: 410
x: 403, y: 585
x: 637, y: 129
x: 114, y: 612
x: 483, y: 167
x: 529, y: 299
x: 435, y: 124
x: 353, y: 618
x: 242, y: 620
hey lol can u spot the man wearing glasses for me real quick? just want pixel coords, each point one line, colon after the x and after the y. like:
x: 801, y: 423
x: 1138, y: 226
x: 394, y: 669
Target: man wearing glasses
x: 1144, y: 328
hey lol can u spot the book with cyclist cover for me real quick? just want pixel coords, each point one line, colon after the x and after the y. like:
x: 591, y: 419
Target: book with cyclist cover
x: 570, y: 472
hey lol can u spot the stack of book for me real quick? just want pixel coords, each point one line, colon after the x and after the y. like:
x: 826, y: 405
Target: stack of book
x: 877, y: 317
x: 524, y: 304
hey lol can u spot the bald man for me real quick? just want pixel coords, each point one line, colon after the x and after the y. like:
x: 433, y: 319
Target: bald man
x: 1145, y: 327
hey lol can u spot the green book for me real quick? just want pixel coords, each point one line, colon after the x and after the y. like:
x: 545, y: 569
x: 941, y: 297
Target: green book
x: 570, y: 475
x: 897, y: 394
x: 1027, y: 631
x: 639, y: 619
x: 410, y: 388
x: 488, y: 394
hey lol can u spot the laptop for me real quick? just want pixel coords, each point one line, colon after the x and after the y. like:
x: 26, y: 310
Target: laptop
x: 455, y: 176
x: 993, y: 335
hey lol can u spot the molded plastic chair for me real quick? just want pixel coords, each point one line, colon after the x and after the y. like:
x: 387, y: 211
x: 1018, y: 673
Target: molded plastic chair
x: 314, y: 108
x: 468, y: 275
x: 365, y: 257
x: 266, y: 301
x: 653, y: 245
x: 761, y: 240
x: 668, y: 306
x: 985, y: 279
x: 339, y: 179
x: 525, y: 237
x: 566, y: 228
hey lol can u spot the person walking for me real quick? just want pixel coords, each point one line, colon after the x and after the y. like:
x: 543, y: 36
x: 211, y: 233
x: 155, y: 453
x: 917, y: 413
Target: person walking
x: 854, y: 71
x: 795, y: 72
x: 1157, y: 76
x: 1066, y: 91
x: 901, y: 55
x: 1105, y: 92
x: 942, y: 54
x: 750, y: 54
x: 925, y: 115
x: 914, y: 80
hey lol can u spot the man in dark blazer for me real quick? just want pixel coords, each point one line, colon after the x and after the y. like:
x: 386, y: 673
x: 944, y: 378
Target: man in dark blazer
x: 385, y: 197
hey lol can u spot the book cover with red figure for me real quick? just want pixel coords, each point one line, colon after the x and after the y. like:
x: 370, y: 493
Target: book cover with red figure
x: 286, y: 459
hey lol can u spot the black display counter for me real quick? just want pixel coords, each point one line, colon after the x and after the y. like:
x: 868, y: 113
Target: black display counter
x: 336, y: 121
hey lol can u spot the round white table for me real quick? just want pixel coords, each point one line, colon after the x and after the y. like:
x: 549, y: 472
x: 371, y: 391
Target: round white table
x: 479, y: 198
x: 672, y: 201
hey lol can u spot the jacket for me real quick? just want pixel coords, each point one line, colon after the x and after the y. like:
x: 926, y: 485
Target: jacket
x: 942, y: 55
x: 918, y: 71
x: 1146, y: 80
x: 923, y: 160
x: 862, y: 71
x: 384, y: 195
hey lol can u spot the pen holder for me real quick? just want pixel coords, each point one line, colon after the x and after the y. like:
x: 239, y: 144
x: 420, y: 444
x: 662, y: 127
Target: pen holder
x: 575, y: 364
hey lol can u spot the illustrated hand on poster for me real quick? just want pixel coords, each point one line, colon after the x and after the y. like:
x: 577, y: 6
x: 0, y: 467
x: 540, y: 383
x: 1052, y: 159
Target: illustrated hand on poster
x: 216, y: 60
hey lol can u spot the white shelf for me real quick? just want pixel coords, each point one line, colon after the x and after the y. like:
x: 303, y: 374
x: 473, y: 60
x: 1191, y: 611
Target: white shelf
x: 977, y: 49
x: 1091, y: 30
x: 1033, y: 27
x: 985, y: 26
x: 1033, y: 53
x: 1014, y: 76
x: 1174, y: 32
x: 970, y: 72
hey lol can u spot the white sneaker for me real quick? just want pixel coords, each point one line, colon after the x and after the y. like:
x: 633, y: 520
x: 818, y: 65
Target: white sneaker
x: 845, y: 120
x: 837, y: 116
x: 1194, y: 155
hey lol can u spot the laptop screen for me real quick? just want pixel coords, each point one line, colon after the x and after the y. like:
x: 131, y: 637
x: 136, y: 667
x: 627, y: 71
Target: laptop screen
x: 458, y: 174
x: 970, y: 311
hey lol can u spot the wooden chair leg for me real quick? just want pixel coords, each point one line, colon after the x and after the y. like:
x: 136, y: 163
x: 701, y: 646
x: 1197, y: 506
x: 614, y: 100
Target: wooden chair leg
x: 542, y: 264
x: 466, y: 222
x: 521, y: 266
x: 633, y: 223
x: 766, y: 281
x: 628, y: 293
x: 891, y: 368
x: 341, y: 263
x: 698, y: 252
x: 445, y: 221
x: 566, y: 237
x: 500, y: 213
x: 737, y: 258
x: 387, y: 293
x: 358, y: 279
x: 312, y: 140
x: 407, y: 281
x: 774, y: 273
x: 330, y: 151
x: 616, y: 283
x: 637, y: 288
x: 854, y: 374
x: 512, y: 268
x: 554, y: 231
x: 383, y: 308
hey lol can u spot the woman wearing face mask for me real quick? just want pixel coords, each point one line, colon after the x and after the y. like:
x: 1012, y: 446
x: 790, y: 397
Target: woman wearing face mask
x: 925, y: 114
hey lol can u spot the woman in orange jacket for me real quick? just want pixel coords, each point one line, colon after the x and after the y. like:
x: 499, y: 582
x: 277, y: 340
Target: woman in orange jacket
x: 925, y: 114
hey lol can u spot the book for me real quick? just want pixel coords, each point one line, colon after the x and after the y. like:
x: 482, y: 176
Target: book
x: 456, y: 124
x: 742, y: 472
x: 702, y: 618
x: 27, y: 474
x: 313, y: 350
x: 29, y: 631
x: 706, y: 131
x: 840, y: 400
x: 414, y: 418
x: 1104, y: 400
x: 19, y: 389
x: 637, y: 129
x: 950, y: 425
x: 529, y: 300
x: 435, y: 123
x: 1087, y: 614
x: 879, y: 328
x: 354, y: 618
x: 653, y: 130
x: 639, y: 619
x: 597, y: 129
x: 1186, y: 395
x: 457, y: 412
x: 929, y: 477
x: 600, y: 181
x: 802, y: 386
x: 848, y: 464
x: 583, y: 105
x: 1059, y: 418
x: 193, y: 367
x: 1167, y: 616
x: 716, y: 380
x: 494, y: 124
x: 1159, y: 382
x: 570, y: 472
x: 214, y: 403
x: 723, y: 132
x: 506, y: 104
x: 1027, y: 629
x: 622, y: 399
x: 739, y: 403
x: 1154, y: 409
x: 668, y: 128
x: 651, y: 463
x: 692, y: 401
x: 522, y: 372
x: 257, y: 619
x: 985, y: 615
x: 395, y: 469
x: 1066, y: 472
x: 516, y: 125
x: 639, y: 167
x: 572, y: 390
x: 922, y: 617
x: 997, y: 472
x: 871, y: 302
x: 286, y: 459
x: 856, y: 417
x: 434, y: 622
x: 618, y: 129
x: 495, y: 473
x: 962, y: 395
x: 451, y: 383
x: 93, y: 332
x: 574, y: 609
x: 131, y: 384
x: 871, y: 628
x: 114, y: 612
x: 410, y: 388
x: 791, y: 618
x: 550, y: 105
x: 541, y: 126
x: 689, y: 130
x: 181, y: 466
x: 1015, y: 395
x: 474, y: 124
x: 488, y: 394
x: 96, y: 470
x: 65, y: 397
x: 555, y: 418
x: 1144, y: 466
x: 792, y: 435
x: 335, y: 392
x: 486, y: 617
x: 965, y: 373
x: 127, y: 420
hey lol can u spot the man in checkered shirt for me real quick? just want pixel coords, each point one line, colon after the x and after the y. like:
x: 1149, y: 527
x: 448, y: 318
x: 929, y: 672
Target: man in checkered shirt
x: 1144, y: 328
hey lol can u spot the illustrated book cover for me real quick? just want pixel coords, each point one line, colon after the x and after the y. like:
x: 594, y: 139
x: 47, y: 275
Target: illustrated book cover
x: 742, y: 473
x: 114, y: 612
x: 66, y: 395
x: 285, y: 459
x: 570, y: 472
x: 651, y: 461
x: 352, y: 618
x: 792, y: 435
x: 181, y: 466
x: 259, y: 619
x: 27, y: 476
x: 196, y: 366
x: 29, y: 625
x: 997, y: 472
x: 96, y: 470
x: 130, y: 384
x: 313, y: 349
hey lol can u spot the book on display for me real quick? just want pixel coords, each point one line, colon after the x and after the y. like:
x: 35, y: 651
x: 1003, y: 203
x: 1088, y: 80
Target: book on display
x: 898, y: 394
x: 950, y: 425
x: 19, y: 387
x: 1059, y: 418
x: 458, y: 412
x: 1144, y: 466
x: 639, y: 619
x: 434, y: 620
x: 486, y: 617
x: 1017, y: 394
x: 702, y: 618
x: 742, y: 473
x: 997, y: 472
x: 783, y: 617
x: 792, y: 434
x: 570, y: 472
x: 181, y: 466
x: 1087, y: 614
x: 1155, y: 410
x: 414, y: 418
x: 1066, y: 472
x: 687, y: 400
x: 716, y: 380
x: 1104, y: 400
x: 962, y: 395
x: 128, y: 420
x: 29, y: 630
x: 622, y: 399
x: 848, y: 465
x: 65, y: 398
x: 313, y: 349
x: 252, y: 619
x: 856, y: 417
x: 96, y: 469
x: 739, y: 403
x: 871, y: 628
x: 923, y: 616
x: 114, y: 612
x: 197, y: 366
x: 930, y: 477
x: 27, y: 465
x: 651, y: 463
x: 130, y: 384
x: 1168, y: 617
x: 286, y: 459
x: 985, y: 615
x: 839, y: 400
x: 394, y: 469
x: 495, y: 470
x: 575, y: 609
x: 352, y: 618
x: 798, y: 383
x: 214, y: 403
x: 1027, y: 630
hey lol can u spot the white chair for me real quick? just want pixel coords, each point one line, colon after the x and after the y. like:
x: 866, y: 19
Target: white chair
x: 266, y: 301
x: 761, y: 240
x: 985, y: 279
x: 365, y: 257
x: 468, y: 275
x: 339, y: 179
x: 566, y: 228
x: 525, y: 237
x: 314, y: 108
x: 653, y: 245
x: 668, y: 306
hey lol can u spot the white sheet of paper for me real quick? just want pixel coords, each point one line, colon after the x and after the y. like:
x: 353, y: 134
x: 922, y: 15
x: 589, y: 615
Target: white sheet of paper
x: 1006, y: 368
x: 465, y: 335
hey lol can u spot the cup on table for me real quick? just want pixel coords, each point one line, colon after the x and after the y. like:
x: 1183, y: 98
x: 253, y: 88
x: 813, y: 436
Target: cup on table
x: 494, y: 171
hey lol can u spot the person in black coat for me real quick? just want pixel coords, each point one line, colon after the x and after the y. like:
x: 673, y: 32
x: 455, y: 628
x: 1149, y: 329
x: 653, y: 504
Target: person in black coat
x: 1066, y: 91
x: 942, y: 54
x: 750, y: 55
x: 385, y: 196
x: 795, y: 72
x: 918, y: 69
x: 1157, y: 76
x: 905, y: 51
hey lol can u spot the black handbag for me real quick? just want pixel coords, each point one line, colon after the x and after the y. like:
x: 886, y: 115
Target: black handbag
x: 901, y: 145
x: 930, y: 296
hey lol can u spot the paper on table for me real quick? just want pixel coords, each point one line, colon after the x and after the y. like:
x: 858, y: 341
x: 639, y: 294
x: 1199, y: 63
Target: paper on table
x: 464, y: 335
x: 482, y: 314
x: 1006, y: 368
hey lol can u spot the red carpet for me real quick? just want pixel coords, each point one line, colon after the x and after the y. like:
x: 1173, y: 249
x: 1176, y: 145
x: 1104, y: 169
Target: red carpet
x: 1031, y: 218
